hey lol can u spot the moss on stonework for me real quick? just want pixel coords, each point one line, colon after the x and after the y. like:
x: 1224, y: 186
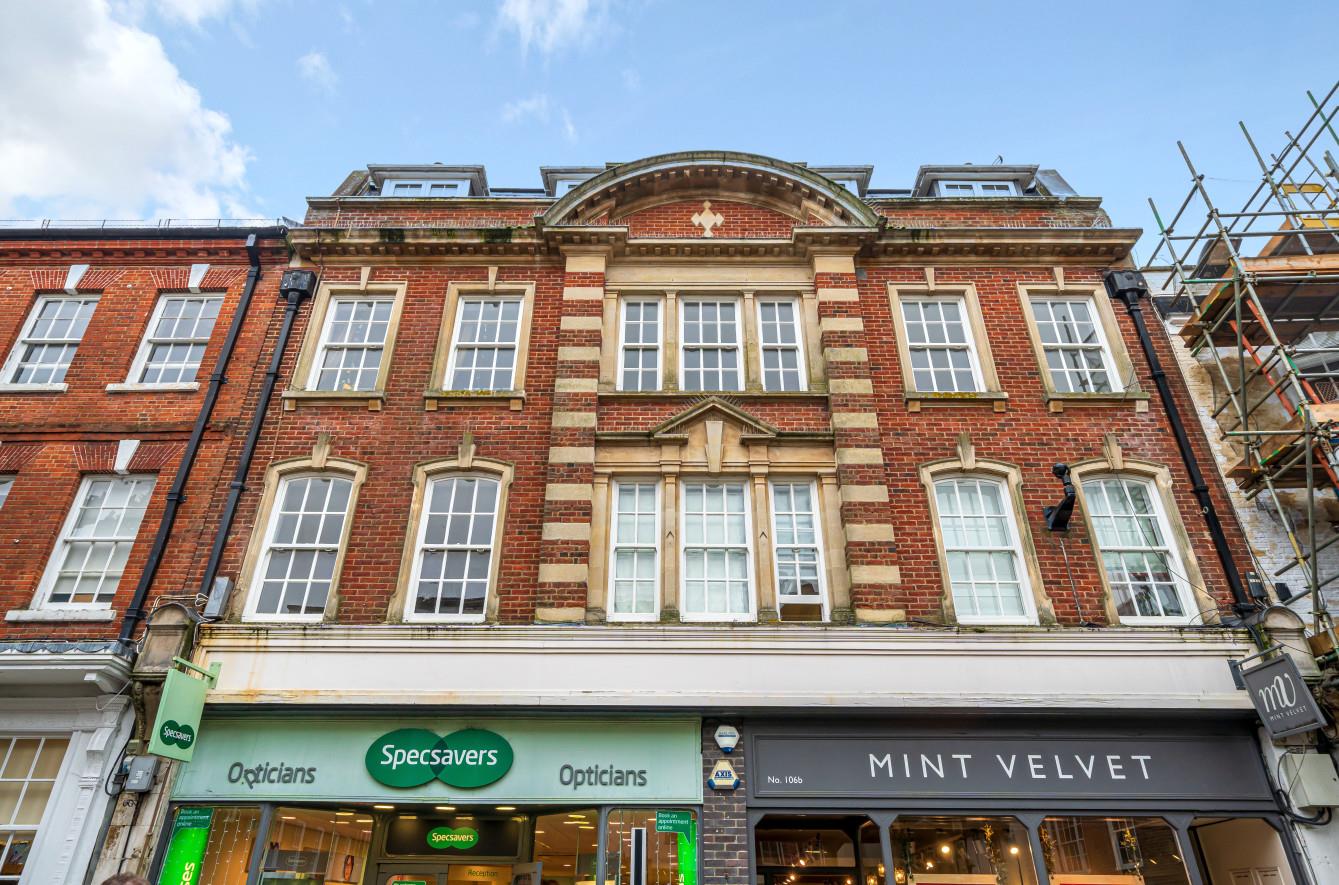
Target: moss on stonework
x: 498, y: 234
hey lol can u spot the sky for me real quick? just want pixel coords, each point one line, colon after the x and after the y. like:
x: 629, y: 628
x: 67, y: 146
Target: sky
x: 242, y: 108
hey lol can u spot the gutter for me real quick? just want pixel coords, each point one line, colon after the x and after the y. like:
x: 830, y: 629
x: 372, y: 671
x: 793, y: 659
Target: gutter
x: 1128, y: 286
x: 140, y: 233
x: 296, y: 286
x: 135, y: 613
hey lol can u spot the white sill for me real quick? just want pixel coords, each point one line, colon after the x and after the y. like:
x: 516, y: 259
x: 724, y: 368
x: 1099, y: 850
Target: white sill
x: 282, y: 619
x: 34, y: 388
x: 997, y: 622
x: 1148, y: 621
x: 127, y: 387
x: 440, y: 619
x: 55, y: 615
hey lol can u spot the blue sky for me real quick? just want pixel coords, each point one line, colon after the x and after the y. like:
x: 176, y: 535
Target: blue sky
x: 130, y: 108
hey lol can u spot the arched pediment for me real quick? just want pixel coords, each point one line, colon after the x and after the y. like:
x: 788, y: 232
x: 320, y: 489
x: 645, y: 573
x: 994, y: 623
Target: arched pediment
x: 794, y: 191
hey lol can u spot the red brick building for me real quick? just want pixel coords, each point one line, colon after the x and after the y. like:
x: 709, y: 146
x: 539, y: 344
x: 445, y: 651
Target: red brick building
x: 575, y: 475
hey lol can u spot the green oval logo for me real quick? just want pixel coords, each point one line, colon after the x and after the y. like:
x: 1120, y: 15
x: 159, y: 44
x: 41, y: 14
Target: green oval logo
x: 462, y: 839
x: 411, y: 757
x: 176, y: 734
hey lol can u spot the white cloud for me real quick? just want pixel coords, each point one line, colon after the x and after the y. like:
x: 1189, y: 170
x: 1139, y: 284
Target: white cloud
x: 553, y: 25
x: 315, y: 68
x: 188, y: 12
x: 535, y: 107
x: 96, y: 121
x: 569, y: 130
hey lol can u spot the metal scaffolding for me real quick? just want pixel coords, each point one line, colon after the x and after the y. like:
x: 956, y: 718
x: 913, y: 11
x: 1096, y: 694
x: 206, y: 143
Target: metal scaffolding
x: 1264, y: 285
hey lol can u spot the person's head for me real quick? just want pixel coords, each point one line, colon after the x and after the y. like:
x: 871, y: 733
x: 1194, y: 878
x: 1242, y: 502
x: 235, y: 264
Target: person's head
x: 126, y: 879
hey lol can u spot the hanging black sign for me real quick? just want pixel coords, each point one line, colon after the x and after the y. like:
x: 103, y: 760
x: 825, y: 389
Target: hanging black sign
x: 1282, y: 699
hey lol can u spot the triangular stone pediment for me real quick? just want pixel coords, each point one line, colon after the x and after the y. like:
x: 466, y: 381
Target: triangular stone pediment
x: 713, y: 408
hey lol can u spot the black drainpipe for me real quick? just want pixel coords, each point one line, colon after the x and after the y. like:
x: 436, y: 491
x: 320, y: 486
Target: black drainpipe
x: 295, y: 286
x: 135, y: 613
x: 1129, y: 286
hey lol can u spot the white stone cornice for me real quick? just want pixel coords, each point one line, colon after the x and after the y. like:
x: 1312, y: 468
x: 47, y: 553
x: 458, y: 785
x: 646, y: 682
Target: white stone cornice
x: 685, y: 668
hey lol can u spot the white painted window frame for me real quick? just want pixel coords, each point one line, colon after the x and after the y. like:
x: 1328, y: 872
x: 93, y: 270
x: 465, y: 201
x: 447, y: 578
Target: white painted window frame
x: 941, y: 187
x: 1108, y: 357
x: 824, y: 595
x: 614, y: 546
x: 797, y: 321
x: 9, y: 831
x: 750, y: 554
x: 464, y: 299
x: 271, y: 526
x: 11, y: 367
x: 1177, y: 562
x: 6, y: 486
x: 148, y: 340
x: 420, y: 533
x: 741, y: 369
x: 623, y: 344
x: 57, y: 557
x: 971, y: 346
x: 323, y: 342
x: 1015, y: 546
x: 462, y: 186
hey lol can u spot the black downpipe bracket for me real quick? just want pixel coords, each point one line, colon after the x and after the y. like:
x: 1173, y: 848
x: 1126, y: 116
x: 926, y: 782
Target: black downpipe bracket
x: 295, y: 286
x: 135, y: 613
x: 1129, y: 286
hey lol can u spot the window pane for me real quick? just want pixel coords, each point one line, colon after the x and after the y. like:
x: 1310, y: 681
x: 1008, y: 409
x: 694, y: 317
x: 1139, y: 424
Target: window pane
x: 980, y: 548
x: 308, y: 527
x: 800, y: 588
x: 312, y: 845
x: 1072, y: 344
x: 635, y: 579
x: 1143, y: 849
x: 669, y: 837
x: 456, y: 553
x: 47, y: 348
x: 566, y: 846
x: 175, y: 344
x: 716, y: 550
x: 710, y: 355
x: 93, y: 551
x: 779, y: 339
x: 641, y: 345
x: 939, y: 339
x: 936, y: 849
x: 1139, y: 564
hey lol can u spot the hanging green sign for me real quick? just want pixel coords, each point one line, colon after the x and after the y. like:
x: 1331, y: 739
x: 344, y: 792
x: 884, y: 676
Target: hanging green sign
x: 186, y: 850
x: 179, y: 711
x: 682, y: 823
x: 411, y: 757
x: 462, y: 839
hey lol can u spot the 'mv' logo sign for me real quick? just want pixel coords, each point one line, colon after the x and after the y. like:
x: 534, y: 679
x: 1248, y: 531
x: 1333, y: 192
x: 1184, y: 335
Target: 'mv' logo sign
x: 176, y: 735
x: 411, y: 757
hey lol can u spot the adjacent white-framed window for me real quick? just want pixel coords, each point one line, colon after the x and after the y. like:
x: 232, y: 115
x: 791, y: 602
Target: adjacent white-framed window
x: 798, y: 545
x: 47, y: 343
x: 1143, y: 567
x: 352, y: 344
x: 634, y: 552
x: 989, y: 583
x: 304, y: 537
x: 29, y: 768
x: 175, y: 340
x: 977, y: 188
x: 6, y: 484
x: 717, y: 567
x: 780, y: 344
x: 95, y: 542
x: 940, y: 345
x: 454, y: 548
x: 1074, y: 344
x: 639, y: 362
x: 710, y: 344
x: 425, y: 187
x: 484, y: 343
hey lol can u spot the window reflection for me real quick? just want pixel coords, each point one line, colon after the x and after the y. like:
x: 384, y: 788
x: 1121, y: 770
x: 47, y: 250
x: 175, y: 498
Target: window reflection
x: 961, y: 851
x: 1123, y: 850
x: 324, y: 846
x: 671, y: 845
x: 565, y: 845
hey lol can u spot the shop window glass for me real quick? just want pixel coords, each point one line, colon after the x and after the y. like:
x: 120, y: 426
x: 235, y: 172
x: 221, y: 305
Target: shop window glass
x: 565, y: 846
x: 871, y: 855
x: 317, y: 846
x: 1123, y: 850
x: 809, y: 851
x: 28, y: 769
x: 228, y: 847
x: 961, y: 851
x: 669, y: 837
x: 455, y: 836
x: 1242, y: 851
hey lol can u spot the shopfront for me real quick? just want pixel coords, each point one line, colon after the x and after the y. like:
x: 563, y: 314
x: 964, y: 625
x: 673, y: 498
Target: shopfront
x: 1013, y: 801
x: 437, y: 801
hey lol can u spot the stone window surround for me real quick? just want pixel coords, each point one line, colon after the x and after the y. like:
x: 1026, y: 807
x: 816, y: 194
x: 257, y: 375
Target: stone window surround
x: 1191, y: 579
x: 1122, y: 366
x: 993, y: 392
x: 299, y: 389
x: 465, y: 464
x: 748, y: 295
x: 967, y: 464
x: 248, y: 577
x: 437, y: 392
x: 660, y: 464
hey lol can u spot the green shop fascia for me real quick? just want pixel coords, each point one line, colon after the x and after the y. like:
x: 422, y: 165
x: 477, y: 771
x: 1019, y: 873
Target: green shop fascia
x: 479, y: 794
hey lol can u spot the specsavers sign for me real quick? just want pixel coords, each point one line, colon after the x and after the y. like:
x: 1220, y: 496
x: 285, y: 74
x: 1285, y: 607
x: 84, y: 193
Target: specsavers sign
x: 479, y: 760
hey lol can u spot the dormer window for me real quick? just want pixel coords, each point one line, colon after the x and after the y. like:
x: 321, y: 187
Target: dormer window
x: 419, y: 187
x: 976, y: 188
